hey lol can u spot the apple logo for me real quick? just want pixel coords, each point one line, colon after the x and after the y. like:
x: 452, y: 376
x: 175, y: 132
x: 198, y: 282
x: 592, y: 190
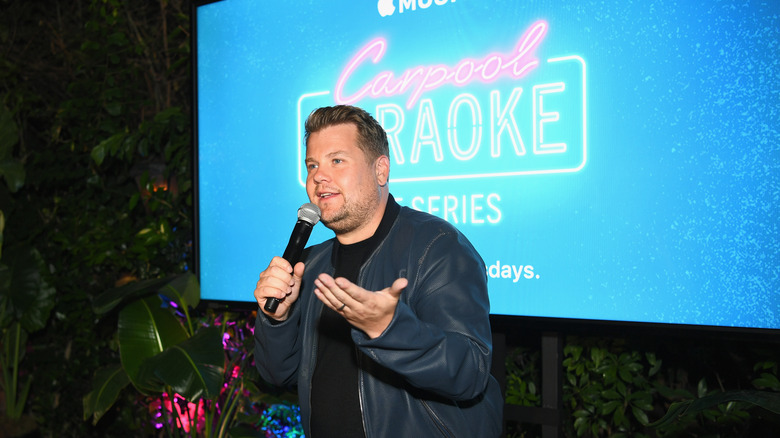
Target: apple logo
x: 385, y: 7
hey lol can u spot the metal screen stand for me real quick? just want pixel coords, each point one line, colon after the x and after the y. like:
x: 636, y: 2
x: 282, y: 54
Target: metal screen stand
x: 549, y: 415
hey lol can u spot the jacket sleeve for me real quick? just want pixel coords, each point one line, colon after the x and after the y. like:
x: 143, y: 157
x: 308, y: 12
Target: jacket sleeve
x: 278, y: 348
x: 439, y: 339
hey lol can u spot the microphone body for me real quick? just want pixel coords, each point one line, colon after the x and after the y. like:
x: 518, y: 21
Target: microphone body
x: 308, y: 216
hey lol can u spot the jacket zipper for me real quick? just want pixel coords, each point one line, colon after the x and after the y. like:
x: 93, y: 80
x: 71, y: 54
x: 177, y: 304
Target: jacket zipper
x: 360, y: 390
x: 312, y: 363
x: 436, y: 421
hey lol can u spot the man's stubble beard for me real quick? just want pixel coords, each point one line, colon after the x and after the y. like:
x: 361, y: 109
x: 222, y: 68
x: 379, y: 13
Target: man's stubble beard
x: 353, y: 214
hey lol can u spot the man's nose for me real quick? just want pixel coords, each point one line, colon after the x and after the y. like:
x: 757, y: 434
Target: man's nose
x: 320, y: 175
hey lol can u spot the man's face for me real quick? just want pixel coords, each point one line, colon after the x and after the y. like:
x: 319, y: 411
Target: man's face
x: 342, y: 183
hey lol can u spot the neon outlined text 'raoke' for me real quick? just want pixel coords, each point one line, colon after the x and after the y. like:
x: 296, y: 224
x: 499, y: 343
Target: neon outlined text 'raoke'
x: 422, y: 79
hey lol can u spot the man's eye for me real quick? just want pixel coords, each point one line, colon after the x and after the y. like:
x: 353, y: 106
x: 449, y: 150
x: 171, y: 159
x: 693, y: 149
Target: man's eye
x: 337, y: 160
x: 311, y: 167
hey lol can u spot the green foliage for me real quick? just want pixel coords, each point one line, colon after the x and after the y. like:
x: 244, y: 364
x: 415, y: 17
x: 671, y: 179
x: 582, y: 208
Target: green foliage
x: 72, y: 77
x: 11, y: 169
x: 768, y: 378
x: 176, y: 361
x: 107, y: 383
x: 158, y: 354
x: 705, y: 405
x: 610, y: 390
x: 14, y: 342
x: 194, y: 367
x: 145, y: 330
x: 26, y: 297
x: 523, y: 377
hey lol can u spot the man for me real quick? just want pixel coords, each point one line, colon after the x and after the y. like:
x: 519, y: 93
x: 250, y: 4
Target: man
x: 385, y: 328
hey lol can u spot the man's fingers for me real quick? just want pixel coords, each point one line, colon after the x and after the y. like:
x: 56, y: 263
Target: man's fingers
x: 328, y: 289
x: 278, y: 262
x: 353, y: 291
x: 279, y: 279
x: 298, y: 271
x: 398, y: 286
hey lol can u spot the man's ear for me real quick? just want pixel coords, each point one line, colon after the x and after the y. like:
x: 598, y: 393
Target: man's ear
x: 382, y: 170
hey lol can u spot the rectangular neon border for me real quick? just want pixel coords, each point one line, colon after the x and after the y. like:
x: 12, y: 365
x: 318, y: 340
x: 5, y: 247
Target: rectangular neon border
x: 302, y: 180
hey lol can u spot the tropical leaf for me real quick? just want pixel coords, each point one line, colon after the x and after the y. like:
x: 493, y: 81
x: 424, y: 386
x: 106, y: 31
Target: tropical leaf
x: 108, y: 146
x: 767, y: 400
x: 5, y: 285
x: 29, y: 298
x: 184, y: 290
x: 193, y: 368
x: 9, y: 133
x: 14, y: 341
x: 2, y: 228
x: 10, y: 169
x: 14, y: 174
x: 145, y: 329
x: 112, y: 298
x: 106, y: 384
x: 12, y: 353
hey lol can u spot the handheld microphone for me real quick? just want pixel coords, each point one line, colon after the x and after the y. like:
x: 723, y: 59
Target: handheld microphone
x: 308, y: 216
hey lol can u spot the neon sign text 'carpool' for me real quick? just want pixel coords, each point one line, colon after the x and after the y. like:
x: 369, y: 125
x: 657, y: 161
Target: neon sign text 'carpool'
x: 426, y: 78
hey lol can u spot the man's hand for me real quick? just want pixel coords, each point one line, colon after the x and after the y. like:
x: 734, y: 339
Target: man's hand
x: 280, y: 281
x: 366, y: 310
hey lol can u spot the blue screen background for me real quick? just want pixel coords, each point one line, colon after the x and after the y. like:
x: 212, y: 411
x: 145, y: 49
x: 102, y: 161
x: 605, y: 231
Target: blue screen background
x: 663, y: 209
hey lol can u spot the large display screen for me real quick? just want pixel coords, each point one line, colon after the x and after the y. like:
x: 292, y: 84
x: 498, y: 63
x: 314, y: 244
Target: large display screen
x: 610, y: 160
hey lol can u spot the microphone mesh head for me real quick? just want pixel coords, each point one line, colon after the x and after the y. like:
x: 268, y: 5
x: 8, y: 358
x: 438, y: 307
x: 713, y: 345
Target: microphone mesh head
x: 309, y: 213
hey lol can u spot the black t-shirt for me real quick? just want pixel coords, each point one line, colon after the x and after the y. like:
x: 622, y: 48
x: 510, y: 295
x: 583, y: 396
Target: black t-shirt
x: 335, y: 402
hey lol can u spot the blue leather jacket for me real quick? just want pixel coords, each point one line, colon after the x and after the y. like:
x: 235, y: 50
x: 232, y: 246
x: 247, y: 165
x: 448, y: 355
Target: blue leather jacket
x: 428, y: 374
